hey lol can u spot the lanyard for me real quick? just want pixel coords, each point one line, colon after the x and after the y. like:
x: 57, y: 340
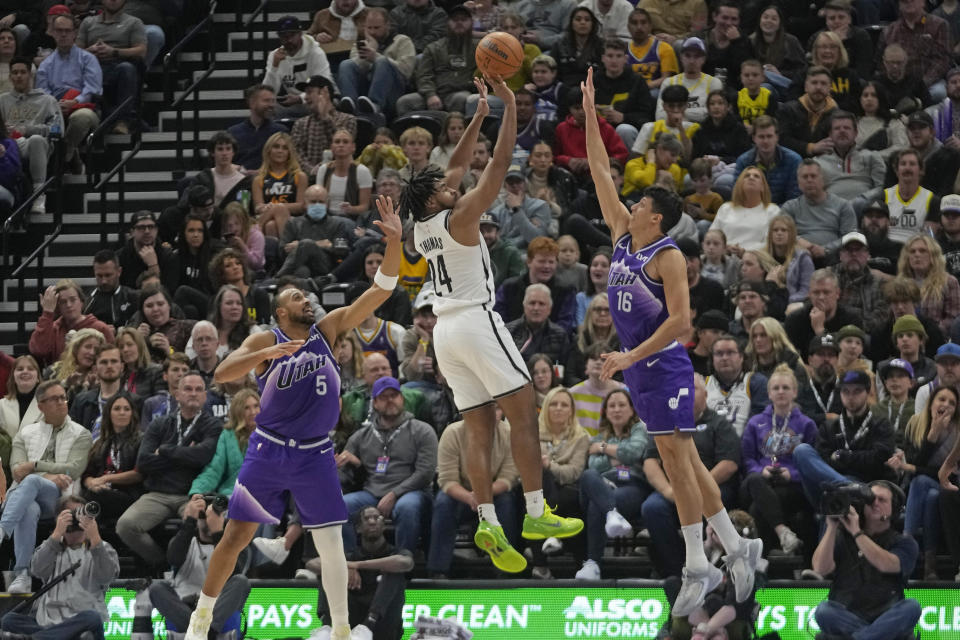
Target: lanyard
x: 862, y: 431
x: 819, y: 399
x: 115, y: 456
x: 386, y: 443
x: 182, y: 434
x: 896, y: 425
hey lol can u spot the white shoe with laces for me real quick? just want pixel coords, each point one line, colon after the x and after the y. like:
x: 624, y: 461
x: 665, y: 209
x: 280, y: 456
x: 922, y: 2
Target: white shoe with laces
x: 589, y: 571
x: 23, y: 583
x: 199, y: 626
x: 361, y: 632
x: 742, y: 565
x: 617, y: 526
x: 274, y: 549
x: 696, y: 585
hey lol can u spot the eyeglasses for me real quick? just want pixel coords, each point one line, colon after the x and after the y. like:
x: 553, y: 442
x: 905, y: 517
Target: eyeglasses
x: 57, y: 399
x: 144, y: 227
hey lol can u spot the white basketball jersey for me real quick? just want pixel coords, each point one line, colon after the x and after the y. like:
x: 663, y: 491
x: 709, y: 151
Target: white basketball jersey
x: 906, y: 216
x: 461, y: 275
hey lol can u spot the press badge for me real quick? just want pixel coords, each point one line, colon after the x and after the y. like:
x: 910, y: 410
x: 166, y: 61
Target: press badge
x: 623, y: 473
x: 382, y: 463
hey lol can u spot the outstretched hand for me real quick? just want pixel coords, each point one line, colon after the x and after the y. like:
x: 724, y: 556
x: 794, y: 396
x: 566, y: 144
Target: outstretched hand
x: 389, y: 222
x: 483, y: 107
x: 589, y: 95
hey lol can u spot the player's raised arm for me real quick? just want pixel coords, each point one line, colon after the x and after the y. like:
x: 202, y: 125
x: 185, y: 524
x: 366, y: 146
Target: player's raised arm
x: 460, y: 158
x: 256, y: 350
x: 615, y: 214
x: 465, y: 218
x: 384, y: 282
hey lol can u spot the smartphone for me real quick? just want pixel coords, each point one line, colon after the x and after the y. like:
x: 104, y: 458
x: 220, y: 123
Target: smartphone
x: 361, y: 44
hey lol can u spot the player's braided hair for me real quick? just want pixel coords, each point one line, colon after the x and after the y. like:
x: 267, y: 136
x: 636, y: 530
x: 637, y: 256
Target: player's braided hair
x: 417, y: 190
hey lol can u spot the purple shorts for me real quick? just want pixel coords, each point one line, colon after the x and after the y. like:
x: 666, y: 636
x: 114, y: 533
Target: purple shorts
x: 271, y: 471
x: 661, y: 388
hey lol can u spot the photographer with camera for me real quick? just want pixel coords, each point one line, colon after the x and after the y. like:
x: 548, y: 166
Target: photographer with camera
x: 871, y: 562
x: 77, y: 603
x: 204, y: 519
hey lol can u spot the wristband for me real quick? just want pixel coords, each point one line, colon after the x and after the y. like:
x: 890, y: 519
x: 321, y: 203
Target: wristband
x: 857, y: 534
x: 385, y: 282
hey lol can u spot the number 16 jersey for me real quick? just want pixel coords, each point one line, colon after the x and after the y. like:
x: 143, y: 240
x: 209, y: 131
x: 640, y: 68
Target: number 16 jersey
x: 461, y: 276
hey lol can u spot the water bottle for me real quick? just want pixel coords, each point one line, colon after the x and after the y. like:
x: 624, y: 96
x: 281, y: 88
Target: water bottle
x: 55, y: 132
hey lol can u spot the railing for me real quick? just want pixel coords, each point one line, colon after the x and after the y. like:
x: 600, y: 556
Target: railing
x: 97, y: 134
x: 20, y: 278
x: 101, y: 186
x: 178, y: 105
x: 11, y: 222
x: 171, y: 59
x: 248, y: 25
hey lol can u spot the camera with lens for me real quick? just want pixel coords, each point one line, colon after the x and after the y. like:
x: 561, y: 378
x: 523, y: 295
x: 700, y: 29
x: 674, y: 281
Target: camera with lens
x: 88, y: 510
x: 838, y: 497
x: 218, y: 501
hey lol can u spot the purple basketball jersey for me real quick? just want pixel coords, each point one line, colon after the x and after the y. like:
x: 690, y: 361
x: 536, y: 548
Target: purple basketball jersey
x: 300, y: 394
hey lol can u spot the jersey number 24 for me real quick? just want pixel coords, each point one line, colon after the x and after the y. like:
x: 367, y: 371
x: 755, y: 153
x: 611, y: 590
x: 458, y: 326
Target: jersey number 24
x: 439, y: 276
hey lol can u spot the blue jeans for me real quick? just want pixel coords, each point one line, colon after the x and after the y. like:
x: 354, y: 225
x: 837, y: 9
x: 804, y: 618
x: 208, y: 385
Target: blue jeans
x: 449, y: 513
x: 34, y: 498
x: 410, y: 513
x: 923, y: 510
x: 895, y: 622
x: 600, y: 494
x: 814, y: 471
x: 121, y: 80
x: 69, y: 629
x: 384, y: 84
x: 155, y: 41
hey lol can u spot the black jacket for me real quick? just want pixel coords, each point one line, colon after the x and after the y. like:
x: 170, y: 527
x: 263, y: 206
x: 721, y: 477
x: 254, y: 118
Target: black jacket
x: 863, y: 452
x: 133, y: 266
x: 128, y: 448
x: 795, y: 131
x: 169, y: 466
x: 115, y: 308
x: 638, y: 106
x: 801, y: 333
x: 727, y: 140
x: 726, y: 62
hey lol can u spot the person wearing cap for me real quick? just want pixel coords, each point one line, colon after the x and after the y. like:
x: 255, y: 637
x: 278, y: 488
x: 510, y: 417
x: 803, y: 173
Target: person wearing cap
x: 399, y: 470
x: 73, y: 76
x: 422, y: 20
x: 822, y: 313
x: 875, y: 226
x: 823, y: 401
x: 752, y: 300
x: 854, y: 174
x: 805, y: 122
x: 903, y: 297
x: 822, y: 218
x: 443, y: 77
x: 314, y: 132
x: 941, y: 162
x: 143, y: 251
x: 119, y: 42
x: 417, y: 342
x: 675, y: 20
x: 948, y: 236
x: 732, y: 391
x: 852, y: 341
x: 859, y: 287
x: 922, y: 261
x: 948, y: 374
x: 198, y: 201
x: 505, y: 258
x: 298, y: 59
x: 522, y: 218
x: 896, y: 383
x: 693, y: 55
x: 30, y: 114
x: 709, y: 325
x: 705, y: 294
x: 942, y: 113
x: 778, y: 163
x: 926, y: 40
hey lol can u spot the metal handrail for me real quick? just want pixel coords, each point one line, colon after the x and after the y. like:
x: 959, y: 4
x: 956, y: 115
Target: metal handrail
x: 178, y: 105
x: 101, y: 186
x: 171, y: 56
x: 14, y: 217
x: 99, y: 131
x: 248, y: 25
x: 18, y: 275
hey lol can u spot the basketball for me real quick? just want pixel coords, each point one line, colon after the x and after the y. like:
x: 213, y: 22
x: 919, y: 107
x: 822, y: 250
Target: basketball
x: 499, y: 54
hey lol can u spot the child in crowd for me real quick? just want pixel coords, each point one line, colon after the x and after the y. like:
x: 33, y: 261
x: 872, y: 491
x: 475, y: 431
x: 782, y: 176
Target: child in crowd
x: 453, y: 127
x: 674, y: 100
x: 703, y: 203
x: 570, y: 271
x: 659, y: 159
x: 588, y: 396
x: 896, y: 404
x: 851, y: 340
x: 545, y: 86
x: 717, y: 264
x: 754, y: 100
x: 382, y: 152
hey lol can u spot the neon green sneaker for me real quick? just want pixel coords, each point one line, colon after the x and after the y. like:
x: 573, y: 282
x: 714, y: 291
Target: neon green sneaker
x: 550, y: 526
x: 491, y: 540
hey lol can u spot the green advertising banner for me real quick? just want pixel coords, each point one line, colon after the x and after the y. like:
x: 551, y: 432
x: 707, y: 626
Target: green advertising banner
x: 545, y: 613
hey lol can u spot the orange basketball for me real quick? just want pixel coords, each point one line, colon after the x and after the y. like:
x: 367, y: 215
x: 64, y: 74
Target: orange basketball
x: 499, y: 54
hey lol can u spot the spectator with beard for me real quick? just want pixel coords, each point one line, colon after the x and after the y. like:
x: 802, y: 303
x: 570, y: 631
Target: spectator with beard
x: 727, y: 46
x: 938, y: 164
x: 111, y: 302
x: 295, y: 61
x: 805, y: 121
x: 87, y: 407
x: 903, y: 298
x: 751, y: 301
x: 851, y: 173
x: 944, y: 127
x: 143, y: 252
x: 884, y: 252
x: 948, y: 375
x: 905, y: 92
x: 859, y: 287
x: 822, y: 363
x: 949, y: 234
x: 822, y: 314
x: 253, y: 133
x: 925, y: 40
x: 422, y: 20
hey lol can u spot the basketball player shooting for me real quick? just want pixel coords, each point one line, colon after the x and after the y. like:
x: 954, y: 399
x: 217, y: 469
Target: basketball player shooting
x: 650, y: 305
x: 289, y: 452
x: 475, y: 352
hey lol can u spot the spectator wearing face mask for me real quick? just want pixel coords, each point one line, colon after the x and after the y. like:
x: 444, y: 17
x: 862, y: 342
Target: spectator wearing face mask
x: 309, y: 240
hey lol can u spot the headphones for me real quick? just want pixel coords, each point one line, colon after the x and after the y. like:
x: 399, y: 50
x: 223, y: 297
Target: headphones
x: 898, y: 502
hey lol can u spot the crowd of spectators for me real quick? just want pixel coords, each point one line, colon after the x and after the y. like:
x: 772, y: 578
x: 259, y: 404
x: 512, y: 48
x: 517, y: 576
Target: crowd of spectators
x: 821, y: 232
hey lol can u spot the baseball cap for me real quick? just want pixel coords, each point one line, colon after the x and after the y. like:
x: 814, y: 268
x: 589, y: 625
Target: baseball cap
x: 424, y: 299
x: 58, y: 10
x: 458, y: 9
x: 489, y: 218
x: 713, y: 319
x: 515, y: 172
x: 384, y: 383
x: 896, y: 363
x: 696, y: 43
x: 853, y: 236
x: 199, y: 195
x: 317, y: 81
x: 858, y: 378
x: 920, y: 119
x: 137, y: 216
x: 950, y: 203
x: 948, y: 350
x: 752, y: 285
x: 825, y: 341
x: 905, y: 323
x: 689, y: 247
x: 877, y: 205
x: 288, y: 23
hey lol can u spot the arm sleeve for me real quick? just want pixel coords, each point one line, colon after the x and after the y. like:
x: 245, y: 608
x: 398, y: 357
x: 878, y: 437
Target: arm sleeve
x: 44, y: 560
x: 758, y: 394
x: 106, y: 562
x: 848, y: 223
x: 256, y: 244
x: 148, y: 461
x: 404, y: 56
x: 43, y: 340
x: 426, y: 79
x: 727, y: 443
x: 180, y: 544
x: 630, y: 451
x: 198, y: 454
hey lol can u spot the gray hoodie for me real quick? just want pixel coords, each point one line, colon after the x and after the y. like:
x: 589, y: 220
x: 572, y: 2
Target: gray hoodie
x: 31, y: 113
x: 84, y: 590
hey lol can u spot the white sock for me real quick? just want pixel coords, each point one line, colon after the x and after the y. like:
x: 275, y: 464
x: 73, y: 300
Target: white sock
x: 534, y: 502
x: 333, y: 572
x: 205, y: 601
x: 488, y: 514
x: 693, y: 540
x: 720, y: 521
